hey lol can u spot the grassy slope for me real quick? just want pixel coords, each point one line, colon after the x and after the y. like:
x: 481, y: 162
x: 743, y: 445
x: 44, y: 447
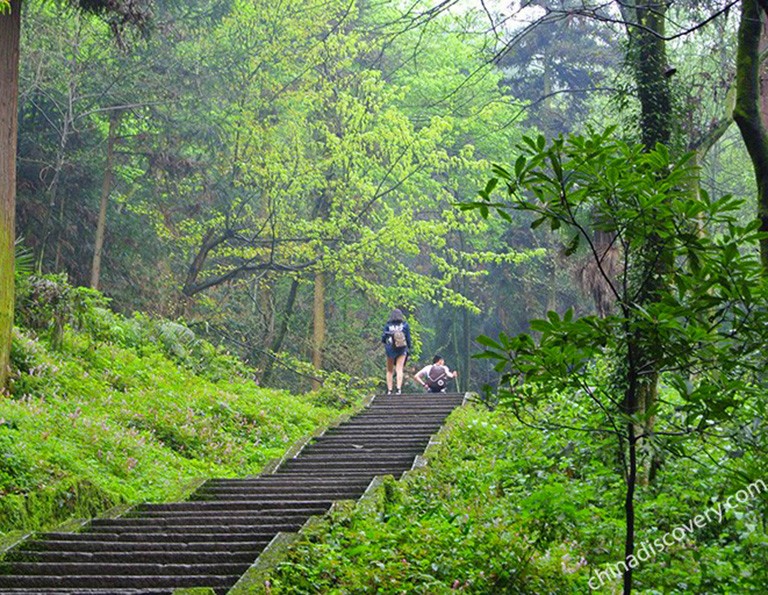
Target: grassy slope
x: 97, y: 423
x: 503, y: 508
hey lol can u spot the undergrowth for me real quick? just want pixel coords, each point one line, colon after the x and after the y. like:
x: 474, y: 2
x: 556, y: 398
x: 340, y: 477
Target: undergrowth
x: 106, y: 410
x: 505, y: 508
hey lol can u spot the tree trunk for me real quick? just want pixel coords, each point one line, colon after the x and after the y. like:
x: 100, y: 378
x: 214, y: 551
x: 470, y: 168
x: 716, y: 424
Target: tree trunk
x: 10, y: 30
x: 106, y: 188
x: 318, y: 317
x: 53, y: 187
x: 648, y: 54
x: 747, y: 112
x: 630, y: 407
x: 462, y: 382
x: 264, y: 289
x: 629, y: 508
x: 277, y: 344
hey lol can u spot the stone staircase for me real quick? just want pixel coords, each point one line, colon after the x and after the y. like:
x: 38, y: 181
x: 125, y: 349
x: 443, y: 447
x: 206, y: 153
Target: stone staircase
x: 213, y: 538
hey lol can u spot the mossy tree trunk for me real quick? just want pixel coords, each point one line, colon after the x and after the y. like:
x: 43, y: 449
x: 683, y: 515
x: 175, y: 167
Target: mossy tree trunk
x: 646, y: 24
x: 747, y: 113
x: 106, y: 188
x: 10, y: 29
x: 277, y: 343
x: 318, y: 317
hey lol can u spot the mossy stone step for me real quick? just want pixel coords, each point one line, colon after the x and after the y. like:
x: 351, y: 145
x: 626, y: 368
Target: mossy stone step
x: 140, y: 557
x: 21, y: 581
x: 125, y: 569
x: 264, y: 526
x: 96, y: 545
x: 165, y: 537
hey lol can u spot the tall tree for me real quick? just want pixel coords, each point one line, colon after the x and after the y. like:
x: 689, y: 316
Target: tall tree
x: 106, y: 189
x: 10, y: 32
x: 120, y: 13
x: 748, y: 113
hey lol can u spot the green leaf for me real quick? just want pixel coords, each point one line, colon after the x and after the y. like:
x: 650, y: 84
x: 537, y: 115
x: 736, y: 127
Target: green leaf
x: 520, y: 165
x: 501, y: 172
x: 573, y: 245
x: 487, y: 342
x: 540, y: 325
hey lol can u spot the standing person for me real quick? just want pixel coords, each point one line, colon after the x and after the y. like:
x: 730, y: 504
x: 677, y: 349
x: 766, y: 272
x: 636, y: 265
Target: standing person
x: 435, y: 376
x: 397, y: 343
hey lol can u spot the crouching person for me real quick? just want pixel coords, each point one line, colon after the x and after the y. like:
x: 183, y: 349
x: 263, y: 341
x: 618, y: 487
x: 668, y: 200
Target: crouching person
x: 435, y: 376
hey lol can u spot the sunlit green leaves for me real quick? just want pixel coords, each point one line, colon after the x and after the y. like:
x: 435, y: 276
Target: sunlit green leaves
x: 689, y: 294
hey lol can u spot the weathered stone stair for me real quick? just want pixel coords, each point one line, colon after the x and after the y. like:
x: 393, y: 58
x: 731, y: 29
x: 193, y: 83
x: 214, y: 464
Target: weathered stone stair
x: 213, y: 538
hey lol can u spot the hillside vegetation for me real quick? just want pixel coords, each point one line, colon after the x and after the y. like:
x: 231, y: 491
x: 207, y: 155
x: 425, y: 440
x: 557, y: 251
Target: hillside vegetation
x: 105, y: 410
x: 505, y: 508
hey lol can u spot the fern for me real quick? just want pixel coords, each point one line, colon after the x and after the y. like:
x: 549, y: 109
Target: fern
x: 177, y: 338
x: 24, y: 259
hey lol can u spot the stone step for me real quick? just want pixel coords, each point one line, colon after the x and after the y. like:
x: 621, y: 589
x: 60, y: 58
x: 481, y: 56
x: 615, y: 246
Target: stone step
x: 150, y: 527
x: 270, y: 496
x: 381, y: 435
x: 396, y: 441
x: 137, y: 557
x: 97, y: 545
x: 379, y: 427
x: 275, y: 500
x: 75, y: 591
x: 128, y: 569
x: 278, y: 481
x: 211, y: 519
x: 357, y: 457
x: 388, y: 419
x: 413, y: 407
x: 189, y: 516
x: 243, y: 494
x: 27, y: 582
x: 297, y: 489
x: 245, y: 504
x: 362, y: 445
x: 376, y: 427
x: 418, y: 400
x: 164, y: 537
x: 332, y: 465
x: 395, y: 471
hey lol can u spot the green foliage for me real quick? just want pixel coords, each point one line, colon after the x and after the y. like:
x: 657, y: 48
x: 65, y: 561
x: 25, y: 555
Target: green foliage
x: 444, y: 529
x: 687, y: 305
x: 687, y: 299
x: 505, y: 508
x: 270, y: 143
x: 23, y: 259
x: 128, y: 410
x: 337, y: 390
x: 47, y: 304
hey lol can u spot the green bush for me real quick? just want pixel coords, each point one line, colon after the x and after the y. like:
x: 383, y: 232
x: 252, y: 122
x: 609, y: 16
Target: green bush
x: 507, y: 508
x: 113, y: 410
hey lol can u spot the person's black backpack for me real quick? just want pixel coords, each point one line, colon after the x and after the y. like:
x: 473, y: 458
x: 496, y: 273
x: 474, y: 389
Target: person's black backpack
x: 398, y: 337
x: 437, y: 377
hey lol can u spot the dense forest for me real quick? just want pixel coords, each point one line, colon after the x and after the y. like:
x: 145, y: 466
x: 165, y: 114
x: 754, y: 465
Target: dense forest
x: 568, y: 199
